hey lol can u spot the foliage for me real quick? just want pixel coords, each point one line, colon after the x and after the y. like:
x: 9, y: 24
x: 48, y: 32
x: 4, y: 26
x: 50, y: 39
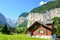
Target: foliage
x: 46, y: 7
x: 21, y: 30
x: 22, y: 27
x: 56, y: 20
x: 24, y: 14
x: 4, y: 29
x: 12, y: 30
x: 57, y: 0
x: 57, y: 23
x: 18, y: 37
x: 58, y: 31
x: 23, y: 24
x: 1, y: 28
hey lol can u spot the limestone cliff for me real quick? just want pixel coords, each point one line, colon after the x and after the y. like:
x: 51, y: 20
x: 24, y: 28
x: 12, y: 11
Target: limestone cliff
x: 32, y: 17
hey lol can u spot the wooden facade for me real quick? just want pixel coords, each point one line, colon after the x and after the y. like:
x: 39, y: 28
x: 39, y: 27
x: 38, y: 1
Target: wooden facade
x: 41, y: 29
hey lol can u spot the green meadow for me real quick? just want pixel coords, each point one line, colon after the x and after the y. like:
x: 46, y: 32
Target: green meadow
x: 18, y: 37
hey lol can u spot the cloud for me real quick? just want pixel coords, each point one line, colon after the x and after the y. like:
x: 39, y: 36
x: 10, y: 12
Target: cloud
x: 42, y: 2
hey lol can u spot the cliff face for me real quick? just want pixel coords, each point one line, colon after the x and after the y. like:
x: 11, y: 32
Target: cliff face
x: 55, y: 12
x: 10, y: 22
x: 32, y: 17
x: 2, y: 19
x: 42, y: 13
x: 22, y: 18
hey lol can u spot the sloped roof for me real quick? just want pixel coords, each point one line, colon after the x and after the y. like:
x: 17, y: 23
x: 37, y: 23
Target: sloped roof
x: 44, y: 24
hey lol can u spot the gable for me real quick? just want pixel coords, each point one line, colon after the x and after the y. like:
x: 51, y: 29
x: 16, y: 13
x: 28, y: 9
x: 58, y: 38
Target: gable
x: 37, y: 25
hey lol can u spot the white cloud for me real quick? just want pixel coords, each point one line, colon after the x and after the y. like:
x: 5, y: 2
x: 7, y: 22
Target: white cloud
x: 42, y: 2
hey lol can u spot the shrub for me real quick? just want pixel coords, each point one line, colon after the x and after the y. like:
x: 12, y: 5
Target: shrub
x: 21, y: 30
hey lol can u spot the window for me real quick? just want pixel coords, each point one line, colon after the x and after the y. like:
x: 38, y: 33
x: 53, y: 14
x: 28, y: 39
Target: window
x: 41, y: 31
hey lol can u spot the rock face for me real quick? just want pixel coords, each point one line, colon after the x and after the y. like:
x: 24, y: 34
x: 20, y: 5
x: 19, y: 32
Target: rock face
x: 55, y: 12
x: 10, y: 22
x: 32, y: 17
x: 38, y: 17
x: 22, y: 18
x: 2, y: 19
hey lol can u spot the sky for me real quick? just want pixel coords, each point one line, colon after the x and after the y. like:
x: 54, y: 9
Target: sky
x: 13, y: 8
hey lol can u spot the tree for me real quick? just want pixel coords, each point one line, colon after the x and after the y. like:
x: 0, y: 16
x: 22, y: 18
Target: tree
x: 1, y: 27
x: 58, y: 31
x: 21, y: 30
x: 56, y: 20
x: 57, y: 24
x: 12, y: 30
x: 22, y: 27
x: 57, y: 0
x: 24, y: 14
x: 23, y: 24
x: 46, y: 7
x: 4, y: 29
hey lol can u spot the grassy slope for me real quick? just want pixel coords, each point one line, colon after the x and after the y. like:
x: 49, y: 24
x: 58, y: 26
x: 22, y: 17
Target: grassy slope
x: 17, y: 37
x: 46, y: 7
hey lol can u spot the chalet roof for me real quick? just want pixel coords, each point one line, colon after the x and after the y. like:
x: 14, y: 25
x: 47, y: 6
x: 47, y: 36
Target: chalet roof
x: 47, y: 22
x: 43, y: 23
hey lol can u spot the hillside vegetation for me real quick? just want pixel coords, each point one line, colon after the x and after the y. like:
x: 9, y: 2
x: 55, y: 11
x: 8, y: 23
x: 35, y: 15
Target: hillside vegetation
x: 24, y: 14
x: 46, y: 7
x: 57, y: 24
x: 23, y: 24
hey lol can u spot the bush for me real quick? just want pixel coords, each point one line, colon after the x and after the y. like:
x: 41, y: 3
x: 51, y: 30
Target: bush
x: 58, y: 31
x: 57, y: 24
x: 23, y: 24
x: 21, y: 30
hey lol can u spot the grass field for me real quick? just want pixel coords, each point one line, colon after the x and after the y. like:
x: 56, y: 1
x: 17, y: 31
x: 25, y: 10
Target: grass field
x: 18, y: 37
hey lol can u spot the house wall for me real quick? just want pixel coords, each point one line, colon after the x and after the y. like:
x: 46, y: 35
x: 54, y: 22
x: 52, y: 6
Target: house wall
x: 46, y: 32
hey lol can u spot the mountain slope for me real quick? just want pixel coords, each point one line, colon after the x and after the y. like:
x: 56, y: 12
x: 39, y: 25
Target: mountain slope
x: 24, y: 14
x: 22, y: 18
x: 10, y: 22
x: 23, y: 24
x: 2, y: 19
x: 46, y: 7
